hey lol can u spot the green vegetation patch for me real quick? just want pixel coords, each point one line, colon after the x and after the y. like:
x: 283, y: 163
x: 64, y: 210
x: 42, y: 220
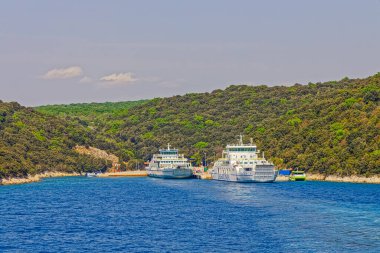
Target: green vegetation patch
x: 201, y: 145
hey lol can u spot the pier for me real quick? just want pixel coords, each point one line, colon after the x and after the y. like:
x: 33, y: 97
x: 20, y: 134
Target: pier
x: 130, y: 173
x: 201, y: 173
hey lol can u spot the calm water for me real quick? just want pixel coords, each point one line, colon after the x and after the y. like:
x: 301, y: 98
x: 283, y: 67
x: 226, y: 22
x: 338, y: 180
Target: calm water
x: 155, y: 215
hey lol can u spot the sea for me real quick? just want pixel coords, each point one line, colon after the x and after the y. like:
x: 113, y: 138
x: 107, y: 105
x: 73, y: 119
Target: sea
x: 79, y: 214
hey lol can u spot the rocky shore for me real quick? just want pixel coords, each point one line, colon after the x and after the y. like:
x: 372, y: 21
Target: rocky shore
x: 35, y: 178
x: 347, y: 179
x: 334, y: 178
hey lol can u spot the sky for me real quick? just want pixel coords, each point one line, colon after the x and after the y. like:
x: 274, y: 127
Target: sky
x: 58, y: 52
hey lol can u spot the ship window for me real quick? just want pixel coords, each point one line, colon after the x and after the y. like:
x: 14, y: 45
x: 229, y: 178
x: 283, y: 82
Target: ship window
x: 242, y: 149
x: 168, y: 152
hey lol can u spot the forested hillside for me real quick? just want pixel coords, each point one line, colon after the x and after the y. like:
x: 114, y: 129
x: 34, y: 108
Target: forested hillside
x: 330, y: 128
x: 91, y: 112
x: 31, y: 142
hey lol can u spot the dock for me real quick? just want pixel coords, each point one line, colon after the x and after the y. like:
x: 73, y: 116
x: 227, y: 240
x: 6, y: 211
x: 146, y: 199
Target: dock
x: 130, y: 173
x: 282, y: 178
x: 201, y: 173
x: 204, y: 176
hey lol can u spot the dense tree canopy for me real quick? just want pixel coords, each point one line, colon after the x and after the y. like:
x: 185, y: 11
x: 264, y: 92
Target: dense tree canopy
x: 31, y: 142
x: 330, y: 128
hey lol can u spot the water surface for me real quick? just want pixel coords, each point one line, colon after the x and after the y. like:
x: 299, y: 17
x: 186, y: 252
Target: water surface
x: 79, y: 214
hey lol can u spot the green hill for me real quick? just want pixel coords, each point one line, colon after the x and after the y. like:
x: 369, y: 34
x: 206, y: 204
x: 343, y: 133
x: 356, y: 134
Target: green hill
x: 330, y: 128
x: 32, y: 142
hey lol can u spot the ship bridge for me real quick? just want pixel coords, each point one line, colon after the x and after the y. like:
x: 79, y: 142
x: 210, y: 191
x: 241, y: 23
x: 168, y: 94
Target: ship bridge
x: 169, y: 156
x: 241, y: 151
x: 169, y: 153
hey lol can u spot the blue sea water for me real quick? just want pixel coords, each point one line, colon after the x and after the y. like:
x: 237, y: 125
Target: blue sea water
x: 78, y: 214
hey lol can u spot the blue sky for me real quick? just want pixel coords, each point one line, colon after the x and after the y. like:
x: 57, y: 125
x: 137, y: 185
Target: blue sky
x: 93, y: 51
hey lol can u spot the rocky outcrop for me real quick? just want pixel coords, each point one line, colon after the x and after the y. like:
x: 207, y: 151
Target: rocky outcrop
x: 95, y: 152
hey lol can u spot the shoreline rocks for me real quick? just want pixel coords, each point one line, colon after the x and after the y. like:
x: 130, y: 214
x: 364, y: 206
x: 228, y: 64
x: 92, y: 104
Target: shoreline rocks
x: 35, y: 178
x: 338, y: 179
x: 346, y: 179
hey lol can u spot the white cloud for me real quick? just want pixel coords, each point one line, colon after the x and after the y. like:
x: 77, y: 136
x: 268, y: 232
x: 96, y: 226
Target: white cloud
x: 85, y: 79
x: 121, y: 78
x: 63, y: 73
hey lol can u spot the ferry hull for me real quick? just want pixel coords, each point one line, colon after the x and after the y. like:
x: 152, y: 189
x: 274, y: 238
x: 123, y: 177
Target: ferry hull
x: 177, y: 173
x: 303, y: 178
x: 241, y: 179
x: 263, y: 174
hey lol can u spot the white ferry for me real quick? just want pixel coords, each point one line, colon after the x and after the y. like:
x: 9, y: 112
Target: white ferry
x: 240, y: 163
x: 169, y: 164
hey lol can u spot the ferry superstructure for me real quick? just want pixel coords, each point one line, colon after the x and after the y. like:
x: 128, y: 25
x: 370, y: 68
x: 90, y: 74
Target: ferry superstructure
x: 241, y: 163
x: 169, y: 164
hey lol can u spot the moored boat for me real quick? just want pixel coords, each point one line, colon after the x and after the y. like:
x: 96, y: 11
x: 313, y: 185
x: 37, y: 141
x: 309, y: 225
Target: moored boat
x: 169, y: 164
x: 240, y: 163
x: 92, y: 174
x: 297, y: 175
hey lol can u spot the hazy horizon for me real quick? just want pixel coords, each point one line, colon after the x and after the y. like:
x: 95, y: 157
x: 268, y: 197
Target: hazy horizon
x: 97, y: 51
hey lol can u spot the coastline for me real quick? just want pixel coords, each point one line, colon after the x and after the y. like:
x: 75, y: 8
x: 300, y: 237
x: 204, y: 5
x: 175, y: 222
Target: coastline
x: 129, y: 173
x: 309, y: 177
x: 346, y: 179
x: 333, y: 178
x: 35, y: 178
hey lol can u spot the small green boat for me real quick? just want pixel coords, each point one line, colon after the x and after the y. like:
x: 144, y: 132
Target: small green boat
x: 297, y: 175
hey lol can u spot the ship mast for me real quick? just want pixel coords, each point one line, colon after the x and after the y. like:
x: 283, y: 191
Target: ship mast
x: 241, y: 140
